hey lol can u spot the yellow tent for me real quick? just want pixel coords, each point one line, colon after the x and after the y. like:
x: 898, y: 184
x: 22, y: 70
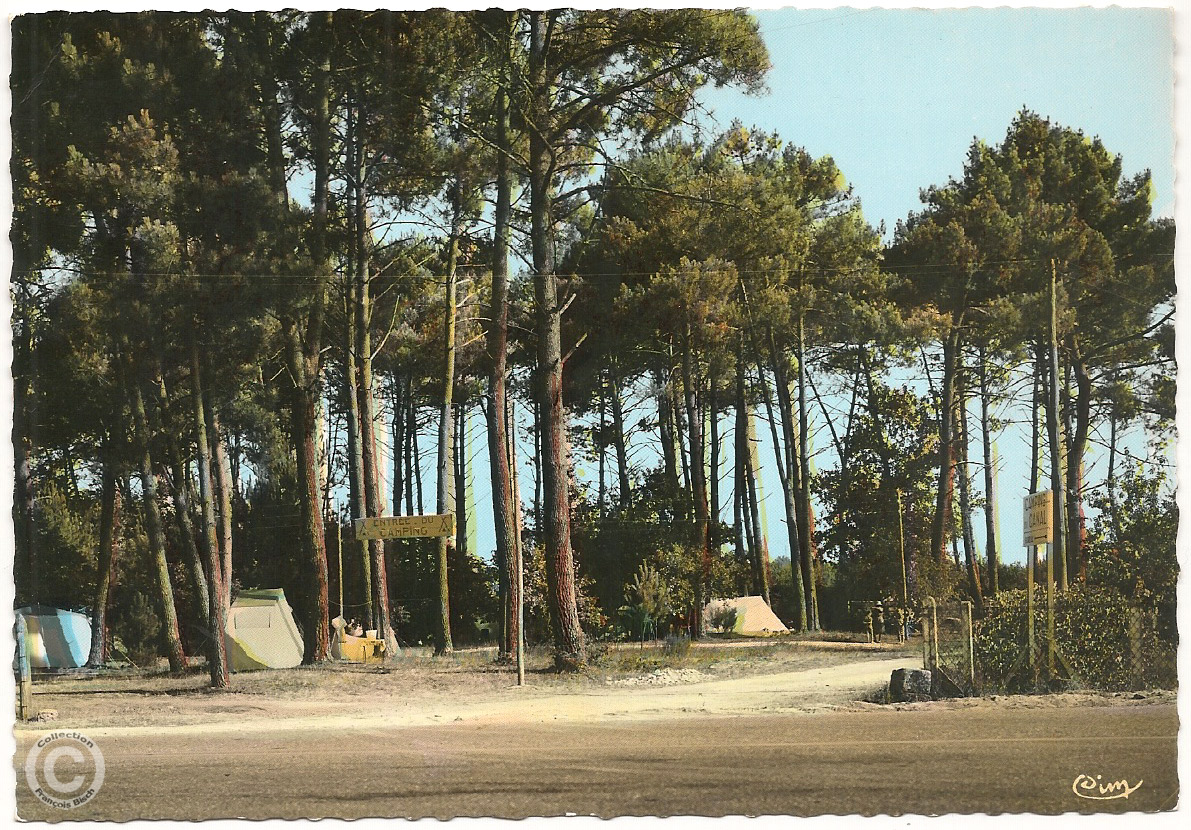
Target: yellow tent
x: 753, y: 616
x: 262, y: 633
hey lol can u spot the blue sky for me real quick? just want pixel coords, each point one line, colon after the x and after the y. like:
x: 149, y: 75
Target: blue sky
x: 896, y: 96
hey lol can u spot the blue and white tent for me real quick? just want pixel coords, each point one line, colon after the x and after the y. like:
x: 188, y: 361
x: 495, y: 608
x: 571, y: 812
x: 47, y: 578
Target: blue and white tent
x: 55, y: 639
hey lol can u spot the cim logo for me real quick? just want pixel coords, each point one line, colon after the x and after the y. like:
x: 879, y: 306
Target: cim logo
x: 1095, y: 788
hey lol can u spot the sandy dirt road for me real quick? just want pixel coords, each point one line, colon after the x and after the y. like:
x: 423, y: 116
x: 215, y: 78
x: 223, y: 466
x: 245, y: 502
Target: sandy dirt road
x: 927, y: 761
x: 759, y: 745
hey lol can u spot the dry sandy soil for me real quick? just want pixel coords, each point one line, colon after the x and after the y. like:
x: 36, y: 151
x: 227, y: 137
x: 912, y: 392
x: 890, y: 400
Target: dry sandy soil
x: 737, y: 676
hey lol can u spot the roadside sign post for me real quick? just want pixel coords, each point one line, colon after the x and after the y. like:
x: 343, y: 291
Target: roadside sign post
x: 401, y: 527
x: 1038, y: 529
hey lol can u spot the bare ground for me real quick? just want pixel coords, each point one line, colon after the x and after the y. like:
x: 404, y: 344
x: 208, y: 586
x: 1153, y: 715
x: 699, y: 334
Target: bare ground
x: 737, y: 676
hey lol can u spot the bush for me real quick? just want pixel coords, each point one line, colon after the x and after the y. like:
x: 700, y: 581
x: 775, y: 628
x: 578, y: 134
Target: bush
x: 723, y: 618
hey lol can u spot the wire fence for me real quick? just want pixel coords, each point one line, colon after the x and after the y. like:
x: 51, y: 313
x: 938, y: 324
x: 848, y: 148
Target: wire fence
x: 1089, y: 640
x: 1093, y: 640
x: 948, y: 649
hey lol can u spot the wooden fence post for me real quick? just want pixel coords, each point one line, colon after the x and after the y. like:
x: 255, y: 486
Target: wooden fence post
x: 25, y: 676
x: 1133, y: 619
x: 970, y: 644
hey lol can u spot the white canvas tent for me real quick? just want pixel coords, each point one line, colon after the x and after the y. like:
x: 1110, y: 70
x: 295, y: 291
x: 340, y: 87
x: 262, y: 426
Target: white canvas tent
x: 753, y: 616
x: 262, y: 633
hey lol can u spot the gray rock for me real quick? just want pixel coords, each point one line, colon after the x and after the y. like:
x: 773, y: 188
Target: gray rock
x: 907, y: 685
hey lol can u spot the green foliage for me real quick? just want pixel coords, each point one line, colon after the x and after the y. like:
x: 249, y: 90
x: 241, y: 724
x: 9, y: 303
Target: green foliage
x: 1132, y: 541
x: 649, y: 601
x: 893, y: 447
x: 65, y: 547
x: 537, y: 607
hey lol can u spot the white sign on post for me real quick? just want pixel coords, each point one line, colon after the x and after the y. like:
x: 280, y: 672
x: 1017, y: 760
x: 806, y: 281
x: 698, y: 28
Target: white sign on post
x: 1037, y: 526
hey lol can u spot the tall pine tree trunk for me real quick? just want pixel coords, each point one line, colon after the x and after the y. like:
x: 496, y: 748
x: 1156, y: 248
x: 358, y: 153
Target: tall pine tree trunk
x: 701, y: 526
x: 223, y: 492
x: 356, y: 460
x: 793, y: 486
x: 179, y: 486
x: 738, y: 466
x: 504, y: 520
x: 758, y: 538
x: 618, y: 437
x: 153, y: 525
x: 556, y: 468
x: 944, y: 494
x: 713, y: 447
x: 303, y: 334
x: 804, y: 465
x: 1076, y: 520
x: 990, y: 494
x: 965, y: 505
x: 445, y: 544
x: 788, y: 499
x: 1059, y: 546
x: 365, y: 395
x: 1110, y: 478
x: 217, y: 664
x: 667, y: 439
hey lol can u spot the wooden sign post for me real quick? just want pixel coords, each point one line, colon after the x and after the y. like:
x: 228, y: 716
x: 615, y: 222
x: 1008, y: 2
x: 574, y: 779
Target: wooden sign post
x: 1038, y: 529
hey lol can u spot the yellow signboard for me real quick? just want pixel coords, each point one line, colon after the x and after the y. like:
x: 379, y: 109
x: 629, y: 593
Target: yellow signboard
x: 1037, y: 528
x: 405, y: 527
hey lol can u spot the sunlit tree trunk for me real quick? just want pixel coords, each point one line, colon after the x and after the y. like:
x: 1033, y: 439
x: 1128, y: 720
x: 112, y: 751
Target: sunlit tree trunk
x: 940, y: 526
x: 556, y: 468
